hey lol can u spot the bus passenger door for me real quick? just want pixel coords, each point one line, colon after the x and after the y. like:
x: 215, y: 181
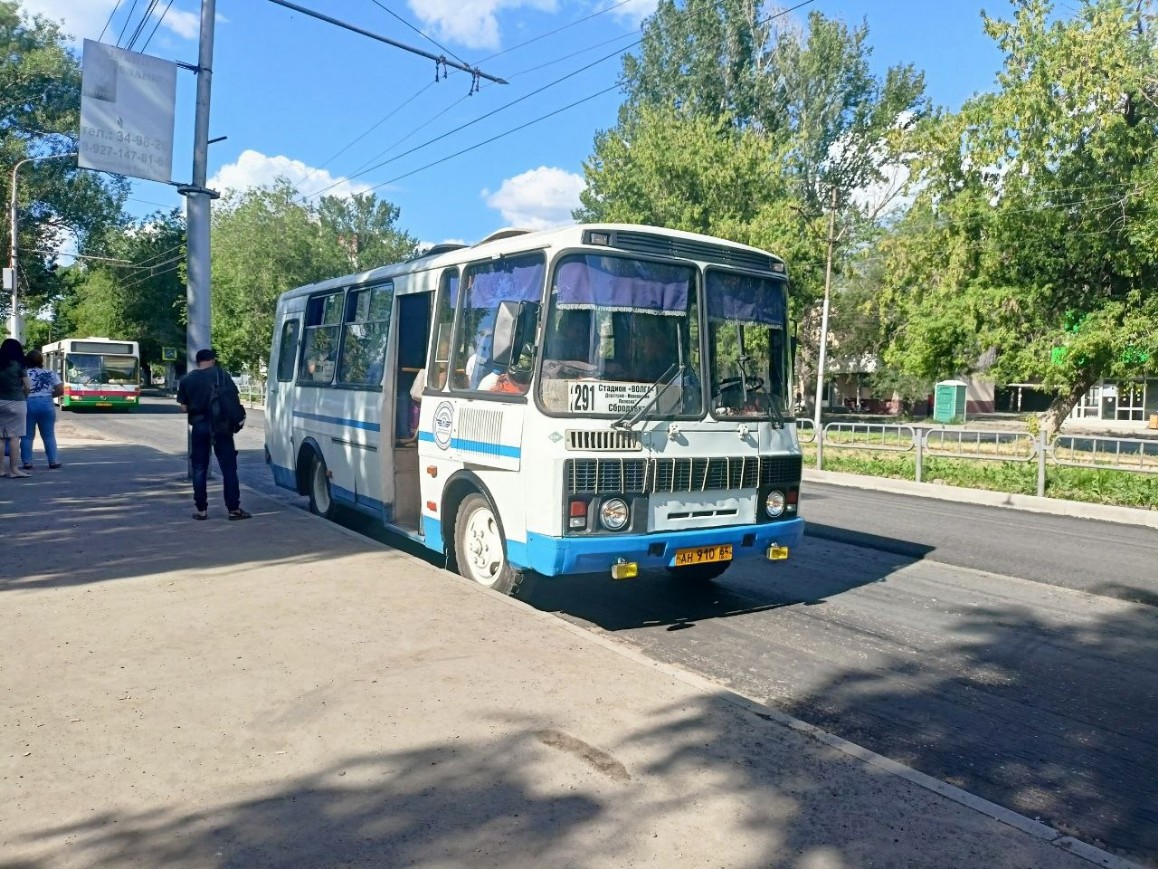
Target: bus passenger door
x: 279, y: 400
x: 413, y: 332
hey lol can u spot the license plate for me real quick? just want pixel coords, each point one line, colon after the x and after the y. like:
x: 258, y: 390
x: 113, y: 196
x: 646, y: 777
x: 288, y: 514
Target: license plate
x: 104, y: 404
x: 703, y: 554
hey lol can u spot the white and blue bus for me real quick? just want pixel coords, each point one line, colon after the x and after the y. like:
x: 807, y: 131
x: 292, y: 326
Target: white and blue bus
x: 600, y: 397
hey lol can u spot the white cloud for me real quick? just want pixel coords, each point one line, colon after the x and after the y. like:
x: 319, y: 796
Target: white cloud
x: 472, y: 23
x: 254, y: 169
x: 539, y: 199
x: 85, y: 19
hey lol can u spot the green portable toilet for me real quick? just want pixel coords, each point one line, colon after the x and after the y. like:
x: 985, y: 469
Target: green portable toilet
x: 949, y: 401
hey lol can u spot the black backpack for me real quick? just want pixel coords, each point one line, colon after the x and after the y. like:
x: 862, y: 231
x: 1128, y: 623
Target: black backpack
x: 226, y: 413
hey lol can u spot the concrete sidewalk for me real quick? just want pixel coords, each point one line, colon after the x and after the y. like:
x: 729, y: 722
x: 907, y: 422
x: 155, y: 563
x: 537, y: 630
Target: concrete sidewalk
x: 283, y: 692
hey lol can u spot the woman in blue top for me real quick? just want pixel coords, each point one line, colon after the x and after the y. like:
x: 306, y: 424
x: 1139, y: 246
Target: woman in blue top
x: 44, y: 386
x: 13, y: 405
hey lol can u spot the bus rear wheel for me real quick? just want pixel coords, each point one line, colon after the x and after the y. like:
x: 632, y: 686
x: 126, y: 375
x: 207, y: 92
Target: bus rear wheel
x: 321, y: 502
x: 699, y: 572
x: 480, y: 548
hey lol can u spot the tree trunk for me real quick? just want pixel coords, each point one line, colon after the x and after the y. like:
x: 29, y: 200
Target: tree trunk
x: 1060, y: 407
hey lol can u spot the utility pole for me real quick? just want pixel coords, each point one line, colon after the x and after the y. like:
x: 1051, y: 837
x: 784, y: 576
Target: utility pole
x: 15, y: 322
x: 198, y: 199
x: 824, y: 315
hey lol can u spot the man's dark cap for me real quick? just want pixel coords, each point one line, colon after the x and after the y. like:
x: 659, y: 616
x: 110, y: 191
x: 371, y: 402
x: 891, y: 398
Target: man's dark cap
x: 205, y: 355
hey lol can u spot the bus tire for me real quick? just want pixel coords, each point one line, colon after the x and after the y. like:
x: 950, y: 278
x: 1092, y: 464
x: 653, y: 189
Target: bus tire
x: 480, y: 547
x: 318, y: 486
x: 700, y: 572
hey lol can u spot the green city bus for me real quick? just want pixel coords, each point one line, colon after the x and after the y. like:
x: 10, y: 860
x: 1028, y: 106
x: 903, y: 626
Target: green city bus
x: 96, y: 372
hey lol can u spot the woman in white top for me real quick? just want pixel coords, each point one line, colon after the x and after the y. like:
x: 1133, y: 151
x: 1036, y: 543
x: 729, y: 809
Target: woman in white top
x: 44, y: 386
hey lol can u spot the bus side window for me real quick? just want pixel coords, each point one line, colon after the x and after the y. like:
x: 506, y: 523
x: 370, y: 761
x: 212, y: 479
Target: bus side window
x: 287, y: 352
x: 439, y: 366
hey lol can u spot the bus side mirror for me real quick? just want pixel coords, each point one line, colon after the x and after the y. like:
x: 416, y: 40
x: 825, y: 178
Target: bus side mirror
x: 514, y: 327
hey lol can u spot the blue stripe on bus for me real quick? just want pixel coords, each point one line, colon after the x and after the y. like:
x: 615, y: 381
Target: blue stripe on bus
x: 509, y: 452
x: 337, y: 420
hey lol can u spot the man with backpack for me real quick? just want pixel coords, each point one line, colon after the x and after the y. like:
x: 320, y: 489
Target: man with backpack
x: 209, y: 396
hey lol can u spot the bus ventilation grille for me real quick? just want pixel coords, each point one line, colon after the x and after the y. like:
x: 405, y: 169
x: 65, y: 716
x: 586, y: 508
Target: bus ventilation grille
x: 684, y: 248
x: 644, y: 476
x: 605, y: 441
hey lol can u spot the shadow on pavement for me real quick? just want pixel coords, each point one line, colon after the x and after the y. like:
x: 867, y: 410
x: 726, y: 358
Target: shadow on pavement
x: 1054, y: 720
x: 487, y: 803
x: 656, y: 598
x: 121, y: 511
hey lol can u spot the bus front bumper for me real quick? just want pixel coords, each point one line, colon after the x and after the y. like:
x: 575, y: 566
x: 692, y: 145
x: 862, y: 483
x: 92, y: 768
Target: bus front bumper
x: 552, y: 556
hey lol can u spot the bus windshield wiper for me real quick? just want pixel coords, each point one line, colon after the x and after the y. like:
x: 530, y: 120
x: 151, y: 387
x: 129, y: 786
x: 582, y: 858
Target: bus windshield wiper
x: 631, y: 416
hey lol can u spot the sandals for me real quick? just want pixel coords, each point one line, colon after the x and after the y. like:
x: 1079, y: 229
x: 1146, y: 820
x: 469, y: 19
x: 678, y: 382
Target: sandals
x: 237, y: 514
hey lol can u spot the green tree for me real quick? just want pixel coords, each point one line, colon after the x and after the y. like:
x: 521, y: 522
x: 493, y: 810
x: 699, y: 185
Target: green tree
x: 364, y: 227
x: 1033, y: 232
x: 39, y: 114
x: 139, y: 298
x: 266, y: 241
x: 736, y: 128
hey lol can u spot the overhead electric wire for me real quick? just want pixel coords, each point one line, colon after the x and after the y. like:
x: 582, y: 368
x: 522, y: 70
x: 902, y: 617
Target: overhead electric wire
x: 556, y: 30
x: 141, y: 24
x: 112, y: 12
x: 419, y: 32
x: 125, y: 26
x: 472, y: 122
x: 499, y: 136
x: 155, y: 26
x: 362, y: 171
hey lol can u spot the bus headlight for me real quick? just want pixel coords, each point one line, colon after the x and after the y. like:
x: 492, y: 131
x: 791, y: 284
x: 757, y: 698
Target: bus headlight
x: 613, y: 513
x: 774, y: 504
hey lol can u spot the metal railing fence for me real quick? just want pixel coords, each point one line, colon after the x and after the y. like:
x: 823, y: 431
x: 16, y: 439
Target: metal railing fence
x: 1132, y: 455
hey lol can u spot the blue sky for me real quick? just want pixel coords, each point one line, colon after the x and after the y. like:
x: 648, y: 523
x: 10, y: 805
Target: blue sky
x: 337, y: 112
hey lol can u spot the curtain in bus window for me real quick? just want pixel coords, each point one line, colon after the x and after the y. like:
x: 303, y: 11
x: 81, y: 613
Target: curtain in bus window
x: 618, y: 284
x: 516, y: 279
x: 519, y: 280
x: 366, y: 329
x: 320, y: 347
x: 745, y: 299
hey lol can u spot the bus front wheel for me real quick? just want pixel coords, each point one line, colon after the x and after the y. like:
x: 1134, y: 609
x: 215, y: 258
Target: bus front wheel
x: 699, y: 572
x: 321, y: 502
x: 479, y: 546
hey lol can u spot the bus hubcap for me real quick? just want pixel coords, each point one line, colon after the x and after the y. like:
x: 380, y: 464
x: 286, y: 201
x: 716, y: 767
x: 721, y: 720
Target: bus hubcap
x: 484, y: 547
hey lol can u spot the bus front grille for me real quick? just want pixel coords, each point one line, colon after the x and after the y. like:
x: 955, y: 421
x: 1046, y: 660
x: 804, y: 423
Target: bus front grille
x: 644, y: 476
x: 603, y: 441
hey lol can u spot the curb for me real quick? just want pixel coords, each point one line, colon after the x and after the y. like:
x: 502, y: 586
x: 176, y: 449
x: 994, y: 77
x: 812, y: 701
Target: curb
x: 984, y: 497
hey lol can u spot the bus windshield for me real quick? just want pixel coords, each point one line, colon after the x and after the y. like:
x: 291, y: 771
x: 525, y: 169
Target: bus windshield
x: 618, y: 329
x: 747, y: 347
x: 98, y: 368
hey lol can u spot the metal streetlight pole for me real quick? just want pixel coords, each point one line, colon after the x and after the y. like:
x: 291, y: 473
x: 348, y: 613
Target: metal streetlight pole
x: 823, y: 348
x: 15, y: 324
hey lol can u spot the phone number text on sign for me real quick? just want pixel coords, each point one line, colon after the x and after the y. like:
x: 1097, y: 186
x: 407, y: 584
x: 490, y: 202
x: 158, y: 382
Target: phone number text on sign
x: 595, y: 396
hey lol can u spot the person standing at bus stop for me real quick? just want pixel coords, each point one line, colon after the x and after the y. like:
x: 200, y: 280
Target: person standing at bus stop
x: 194, y: 393
x: 44, y: 386
x: 13, y: 401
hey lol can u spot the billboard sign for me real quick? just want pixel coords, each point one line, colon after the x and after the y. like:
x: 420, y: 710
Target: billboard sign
x: 126, y: 112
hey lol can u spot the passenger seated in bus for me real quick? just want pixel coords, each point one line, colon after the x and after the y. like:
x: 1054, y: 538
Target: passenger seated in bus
x: 514, y: 381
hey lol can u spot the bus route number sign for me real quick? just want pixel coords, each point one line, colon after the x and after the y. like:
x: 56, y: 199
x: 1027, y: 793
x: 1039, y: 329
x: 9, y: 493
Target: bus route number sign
x: 597, y: 396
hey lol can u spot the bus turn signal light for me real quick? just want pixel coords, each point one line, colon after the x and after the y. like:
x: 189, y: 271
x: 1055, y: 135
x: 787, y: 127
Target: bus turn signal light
x: 777, y: 553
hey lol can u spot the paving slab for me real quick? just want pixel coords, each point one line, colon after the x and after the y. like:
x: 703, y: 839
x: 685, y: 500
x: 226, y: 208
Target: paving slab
x: 281, y: 692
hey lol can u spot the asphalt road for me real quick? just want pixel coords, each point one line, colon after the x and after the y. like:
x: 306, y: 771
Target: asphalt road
x: 1011, y: 654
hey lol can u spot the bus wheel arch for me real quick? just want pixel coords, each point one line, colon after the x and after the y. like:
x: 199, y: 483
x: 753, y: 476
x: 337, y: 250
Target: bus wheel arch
x: 475, y: 540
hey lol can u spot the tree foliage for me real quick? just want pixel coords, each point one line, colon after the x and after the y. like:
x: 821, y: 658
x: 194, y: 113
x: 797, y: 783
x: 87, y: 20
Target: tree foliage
x: 39, y: 114
x: 1034, y: 227
x: 266, y: 241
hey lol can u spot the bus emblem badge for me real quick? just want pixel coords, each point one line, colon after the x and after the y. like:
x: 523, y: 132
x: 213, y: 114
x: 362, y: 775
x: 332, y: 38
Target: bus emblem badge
x: 443, y: 424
